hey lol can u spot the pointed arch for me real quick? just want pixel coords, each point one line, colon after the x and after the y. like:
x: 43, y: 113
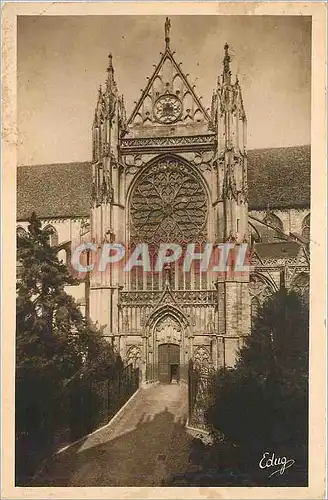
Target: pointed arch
x: 255, y: 306
x: 164, y: 311
x: 260, y: 289
x: 266, y: 280
x: 255, y: 235
x: 198, y: 116
x: 147, y: 107
x: 53, y: 235
x: 62, y: 255
x: 177, y: 84
x: 273, y: 221
x: 21, y: 232
x: 301, y: 284
x: 157, y: 159
x: 306, y: 227
x: 166, y: 71
x: 187, y: 102
x: 158, y: 85
x: 168, y: 65
x: 133, y: 356
x: 202, y: 357
x: 147, y: 219
x: 138, y: 119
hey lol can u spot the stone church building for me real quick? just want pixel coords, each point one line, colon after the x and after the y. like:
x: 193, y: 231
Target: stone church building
x: 175, y: 171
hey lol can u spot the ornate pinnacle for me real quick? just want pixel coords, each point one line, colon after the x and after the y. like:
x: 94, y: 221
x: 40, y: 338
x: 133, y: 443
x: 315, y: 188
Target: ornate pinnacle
x: 99, y: 100
x: 110, y: 64
x: 111, y: 85
x: 167, y: 32
x: 226, y: 65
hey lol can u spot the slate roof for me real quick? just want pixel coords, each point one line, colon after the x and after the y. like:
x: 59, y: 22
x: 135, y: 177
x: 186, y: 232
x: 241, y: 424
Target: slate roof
x: 278, y: 250
x: 58, y: 190
x: 279, y: 177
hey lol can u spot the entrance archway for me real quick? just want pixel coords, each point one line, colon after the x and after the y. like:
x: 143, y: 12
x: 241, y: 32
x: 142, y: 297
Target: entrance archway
x: 167, y: 327
x: 168, y: 363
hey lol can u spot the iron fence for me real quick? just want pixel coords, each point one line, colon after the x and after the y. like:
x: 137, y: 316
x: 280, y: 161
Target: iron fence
x: 200, y: 395
x: 95, y: 402
x: 85, y: 406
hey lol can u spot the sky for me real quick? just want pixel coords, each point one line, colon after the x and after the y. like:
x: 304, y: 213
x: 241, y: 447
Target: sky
x: 62, y: 60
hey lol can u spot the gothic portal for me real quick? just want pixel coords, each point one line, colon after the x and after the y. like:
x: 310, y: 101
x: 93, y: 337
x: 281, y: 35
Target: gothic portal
x: 173, y: 172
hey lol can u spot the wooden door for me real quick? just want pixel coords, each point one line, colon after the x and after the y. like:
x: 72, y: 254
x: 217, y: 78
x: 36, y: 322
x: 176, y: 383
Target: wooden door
x: 168, y: 354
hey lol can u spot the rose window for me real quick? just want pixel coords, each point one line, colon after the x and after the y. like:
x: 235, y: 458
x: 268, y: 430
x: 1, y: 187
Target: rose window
x: 168, y: 204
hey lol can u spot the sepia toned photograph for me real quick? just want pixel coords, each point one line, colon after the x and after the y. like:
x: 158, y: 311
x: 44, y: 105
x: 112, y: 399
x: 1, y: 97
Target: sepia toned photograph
x: 163, y: 251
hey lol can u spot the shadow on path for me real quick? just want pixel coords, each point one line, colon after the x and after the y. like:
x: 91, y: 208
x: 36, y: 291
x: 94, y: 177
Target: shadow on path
x: 130, y: 452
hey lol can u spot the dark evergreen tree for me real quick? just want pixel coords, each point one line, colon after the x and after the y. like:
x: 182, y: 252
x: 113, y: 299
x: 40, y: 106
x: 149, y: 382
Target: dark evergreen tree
x: 262, y: 404
x: 55, y: 346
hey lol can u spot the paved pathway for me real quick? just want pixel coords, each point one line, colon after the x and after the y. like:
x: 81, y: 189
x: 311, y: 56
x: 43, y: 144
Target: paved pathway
x: 147, y: 443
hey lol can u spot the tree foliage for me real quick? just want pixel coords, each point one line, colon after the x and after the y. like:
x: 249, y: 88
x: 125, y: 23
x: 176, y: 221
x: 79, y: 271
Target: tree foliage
x: 55, y: 344
x: 262, y: 404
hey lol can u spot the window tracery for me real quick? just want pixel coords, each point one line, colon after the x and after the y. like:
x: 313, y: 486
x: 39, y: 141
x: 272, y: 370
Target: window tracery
x: 168, y: 331
x: 306, y: 227
x: 259, y: 291
x: 133, y: 356
x: 301, y: 285
x: 202, y: 357
x: 168, y: 204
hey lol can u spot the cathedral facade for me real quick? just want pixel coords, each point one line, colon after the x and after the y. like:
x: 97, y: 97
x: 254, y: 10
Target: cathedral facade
x: 177, y: 172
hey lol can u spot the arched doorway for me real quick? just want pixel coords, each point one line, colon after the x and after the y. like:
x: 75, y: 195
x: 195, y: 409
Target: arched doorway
x: 168, y: 363
x: 166, y: 346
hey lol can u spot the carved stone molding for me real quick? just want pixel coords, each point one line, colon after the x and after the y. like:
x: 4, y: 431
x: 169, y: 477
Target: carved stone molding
x: 136, y: 161
x: 160, y: 143
x: 168, y: 330
x: 202, y: 159
x: 183, y: 297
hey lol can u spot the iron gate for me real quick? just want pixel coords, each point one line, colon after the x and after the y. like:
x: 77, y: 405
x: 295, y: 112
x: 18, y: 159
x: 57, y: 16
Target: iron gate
x: 200, y: 394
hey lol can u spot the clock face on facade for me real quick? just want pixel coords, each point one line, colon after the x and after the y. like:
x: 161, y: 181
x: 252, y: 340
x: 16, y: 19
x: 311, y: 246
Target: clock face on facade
x: 167, y: 109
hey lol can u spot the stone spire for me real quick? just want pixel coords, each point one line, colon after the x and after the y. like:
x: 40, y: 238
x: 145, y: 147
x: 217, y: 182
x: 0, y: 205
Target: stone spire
x: 110, y: 82
x: 226, y: 77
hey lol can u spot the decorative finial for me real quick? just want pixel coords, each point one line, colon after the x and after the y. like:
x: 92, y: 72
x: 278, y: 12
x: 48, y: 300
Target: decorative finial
x: 110, y: 63
x: 111, y: 85
x: 100, y: 93
x: 226, y: 65
x: 167, y: 32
